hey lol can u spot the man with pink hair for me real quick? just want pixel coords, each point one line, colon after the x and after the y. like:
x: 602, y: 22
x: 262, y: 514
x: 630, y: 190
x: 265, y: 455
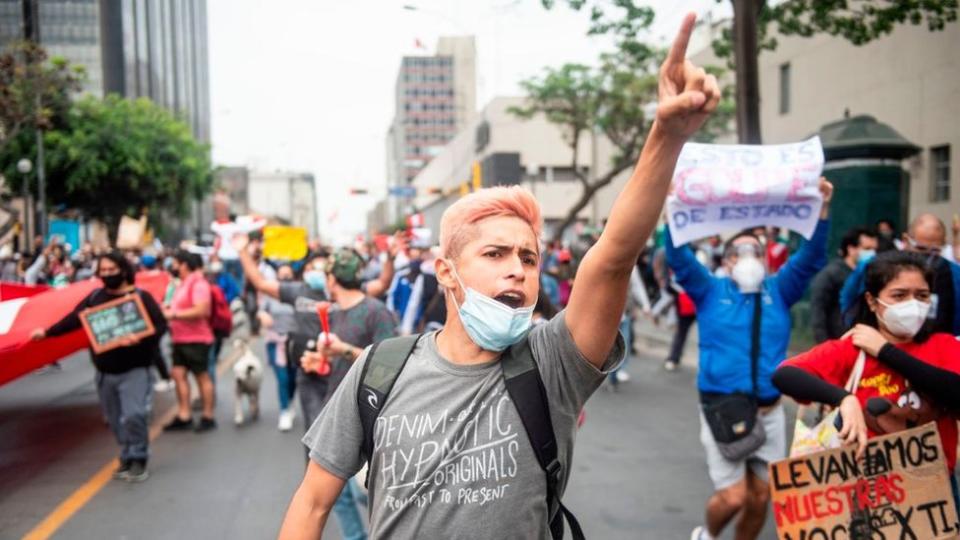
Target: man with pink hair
x: 450, y: 456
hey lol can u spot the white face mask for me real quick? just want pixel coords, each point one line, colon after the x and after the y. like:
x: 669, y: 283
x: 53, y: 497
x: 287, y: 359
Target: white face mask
x: 748, y: 274
x: 905, y: 319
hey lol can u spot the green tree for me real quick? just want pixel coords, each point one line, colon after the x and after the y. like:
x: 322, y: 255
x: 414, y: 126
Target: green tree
x: 856, y: 21
x: 35, y: 91
x: 612, y: 99
x: 120, y: 157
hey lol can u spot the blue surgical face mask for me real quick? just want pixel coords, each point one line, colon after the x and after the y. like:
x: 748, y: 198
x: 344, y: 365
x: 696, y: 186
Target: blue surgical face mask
x: 315, y: 279
x: 866, y: 255
x: 492, y: 325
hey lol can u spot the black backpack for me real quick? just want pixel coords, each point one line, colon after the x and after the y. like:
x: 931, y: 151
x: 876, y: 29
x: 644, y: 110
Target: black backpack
x: 521, y: 376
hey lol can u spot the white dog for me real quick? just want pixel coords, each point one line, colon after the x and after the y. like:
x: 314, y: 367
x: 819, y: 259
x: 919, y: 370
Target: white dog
x: 248, y: 373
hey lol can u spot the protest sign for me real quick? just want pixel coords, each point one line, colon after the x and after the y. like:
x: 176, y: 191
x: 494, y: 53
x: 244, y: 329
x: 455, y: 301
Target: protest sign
x: 284, y: 243
x: 722, y: 188
x: 107, y: 323
x: 900, y: 489
x: 131, y: 231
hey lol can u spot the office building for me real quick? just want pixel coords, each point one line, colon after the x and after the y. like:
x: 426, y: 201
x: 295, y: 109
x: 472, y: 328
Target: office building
x: 498, y: 148
x: 135, y: 48
x: 435, y: 97
x: 287, y: 197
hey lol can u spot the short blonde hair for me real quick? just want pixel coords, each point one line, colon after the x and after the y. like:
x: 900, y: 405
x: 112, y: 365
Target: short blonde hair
x: 458, y: 220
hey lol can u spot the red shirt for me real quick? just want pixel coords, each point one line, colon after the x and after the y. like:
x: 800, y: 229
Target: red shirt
x: 833, y: 361
x: 192, y: 291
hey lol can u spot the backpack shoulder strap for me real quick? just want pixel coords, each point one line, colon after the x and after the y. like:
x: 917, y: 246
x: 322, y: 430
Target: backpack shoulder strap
x: 525, y: 386
x: 383, y: 365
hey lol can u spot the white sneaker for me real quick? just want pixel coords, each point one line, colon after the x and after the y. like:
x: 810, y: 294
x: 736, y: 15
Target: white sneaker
x: 669, y: 366
x: 623, y: 376
x: 163, y: 386
x: 286, y: 420
x: 700, y: 533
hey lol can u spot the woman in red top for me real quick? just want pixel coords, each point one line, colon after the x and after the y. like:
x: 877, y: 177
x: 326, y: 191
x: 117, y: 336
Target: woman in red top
x: 910, y: 375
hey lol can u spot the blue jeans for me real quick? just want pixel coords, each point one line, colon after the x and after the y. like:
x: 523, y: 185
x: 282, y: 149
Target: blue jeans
x: 626, y: 329
x: 348, y: 516
x: 126, y: 402
x: 286, y: 376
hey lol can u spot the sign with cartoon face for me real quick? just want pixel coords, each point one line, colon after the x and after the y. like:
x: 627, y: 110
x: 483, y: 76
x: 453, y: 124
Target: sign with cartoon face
x: 911, y: 409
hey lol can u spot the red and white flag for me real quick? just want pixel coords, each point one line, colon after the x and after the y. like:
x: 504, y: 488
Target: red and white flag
x: 415, y: 221
x: 20, y: 316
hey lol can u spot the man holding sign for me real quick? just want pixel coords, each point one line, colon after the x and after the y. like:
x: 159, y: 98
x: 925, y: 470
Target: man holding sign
x: 744, y: 331
x: 122, y: 350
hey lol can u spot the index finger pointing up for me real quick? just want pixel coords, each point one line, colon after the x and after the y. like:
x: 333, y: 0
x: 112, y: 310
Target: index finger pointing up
x: 678, y: 51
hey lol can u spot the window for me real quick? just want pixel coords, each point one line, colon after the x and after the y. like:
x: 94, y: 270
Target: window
x: 785, y: 88
x: 940, y: 173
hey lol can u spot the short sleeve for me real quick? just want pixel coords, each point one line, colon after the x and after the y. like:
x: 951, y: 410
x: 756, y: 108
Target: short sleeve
x: 569, y: 378
x: 830, y: 361
x: 289, y: 291
x: 384, y: 324
x: 200, y: 292
x: 947, y: 354
x: 336, y: 436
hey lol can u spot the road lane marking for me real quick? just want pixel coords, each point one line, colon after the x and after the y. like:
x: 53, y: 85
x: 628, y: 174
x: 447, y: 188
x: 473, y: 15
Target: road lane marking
x: 79, y: 498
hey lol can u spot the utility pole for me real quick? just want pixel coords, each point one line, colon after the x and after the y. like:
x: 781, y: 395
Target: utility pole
x: 31, y: 32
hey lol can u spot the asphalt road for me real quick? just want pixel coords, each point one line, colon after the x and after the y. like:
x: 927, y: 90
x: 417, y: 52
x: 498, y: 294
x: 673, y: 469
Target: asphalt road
x: 638, y: 470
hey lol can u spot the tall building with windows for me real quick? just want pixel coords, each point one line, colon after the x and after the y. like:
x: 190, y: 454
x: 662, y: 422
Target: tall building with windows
x: 435, y: 98
x: 135, y: 48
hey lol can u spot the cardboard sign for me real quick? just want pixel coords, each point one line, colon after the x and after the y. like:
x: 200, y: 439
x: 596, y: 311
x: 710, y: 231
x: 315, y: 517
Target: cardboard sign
x: 131, y: 231
x: 284, y: 243
x: 109, y: 322
x: 900, y: 489
x: 723, y: 188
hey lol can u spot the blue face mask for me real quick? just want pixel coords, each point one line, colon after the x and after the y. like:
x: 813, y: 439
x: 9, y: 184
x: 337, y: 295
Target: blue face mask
x: 315, y: 279
x: 866, y: 255
x: 492, y: 325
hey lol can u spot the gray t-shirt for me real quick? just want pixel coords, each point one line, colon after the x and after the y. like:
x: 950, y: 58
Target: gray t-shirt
x: 451, y: 456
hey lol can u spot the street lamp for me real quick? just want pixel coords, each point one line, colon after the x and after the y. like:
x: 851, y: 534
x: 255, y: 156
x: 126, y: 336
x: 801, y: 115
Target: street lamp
x: 24, y: 166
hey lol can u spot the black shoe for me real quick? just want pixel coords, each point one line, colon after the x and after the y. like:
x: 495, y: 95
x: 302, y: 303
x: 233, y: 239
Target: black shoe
x: 122, y: 471
x: 138, y: 471
x: 178, y: 424
x: 205, y: 424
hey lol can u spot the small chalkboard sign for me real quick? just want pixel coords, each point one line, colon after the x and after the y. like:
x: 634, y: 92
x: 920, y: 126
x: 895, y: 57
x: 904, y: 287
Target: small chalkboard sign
x: 108, y: 323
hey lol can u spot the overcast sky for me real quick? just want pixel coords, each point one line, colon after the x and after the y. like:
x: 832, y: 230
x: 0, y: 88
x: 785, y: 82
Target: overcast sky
x: 308, y: 85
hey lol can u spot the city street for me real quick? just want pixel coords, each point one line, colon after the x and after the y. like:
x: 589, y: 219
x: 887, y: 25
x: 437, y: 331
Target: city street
x: 638, y: 471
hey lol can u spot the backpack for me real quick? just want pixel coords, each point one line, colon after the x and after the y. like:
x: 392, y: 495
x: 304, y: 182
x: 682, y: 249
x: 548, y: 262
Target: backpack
x: 221, y: 318
x: 521, y: 376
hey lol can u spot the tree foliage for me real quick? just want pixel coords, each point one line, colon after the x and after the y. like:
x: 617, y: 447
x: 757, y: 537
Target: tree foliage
x: 857, y: 21
x: 119, y: 157
x: 616, y: 98
x: 35, y: 91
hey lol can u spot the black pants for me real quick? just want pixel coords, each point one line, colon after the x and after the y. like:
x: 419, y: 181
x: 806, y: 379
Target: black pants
x: 684, y: 322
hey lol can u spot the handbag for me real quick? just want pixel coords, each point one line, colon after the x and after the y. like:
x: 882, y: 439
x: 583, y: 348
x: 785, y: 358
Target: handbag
x: 824, y: 435
x: 734, y: 419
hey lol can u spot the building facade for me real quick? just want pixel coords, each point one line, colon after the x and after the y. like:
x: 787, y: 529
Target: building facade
x: 497, y: 148
x: 908, y: 79
x: 435, y: 96
x: 288, y: 197
x: 135, y: 48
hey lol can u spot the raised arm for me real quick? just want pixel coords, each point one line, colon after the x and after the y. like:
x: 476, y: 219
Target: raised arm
x: 381, y: 285
x: 689, y: 273
x: 794, y: 277
x: 687, y: 96
x: 250, y: 270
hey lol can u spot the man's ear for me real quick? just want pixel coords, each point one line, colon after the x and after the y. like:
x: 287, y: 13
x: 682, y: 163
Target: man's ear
x: 445, y: 276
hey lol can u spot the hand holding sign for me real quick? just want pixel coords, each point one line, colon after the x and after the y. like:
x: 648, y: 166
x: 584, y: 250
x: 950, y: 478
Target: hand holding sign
x: 687, y: 94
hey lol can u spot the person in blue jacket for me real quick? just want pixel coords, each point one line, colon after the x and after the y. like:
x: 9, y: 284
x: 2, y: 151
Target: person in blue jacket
x: 927, y: 235
x: 725, y: 307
